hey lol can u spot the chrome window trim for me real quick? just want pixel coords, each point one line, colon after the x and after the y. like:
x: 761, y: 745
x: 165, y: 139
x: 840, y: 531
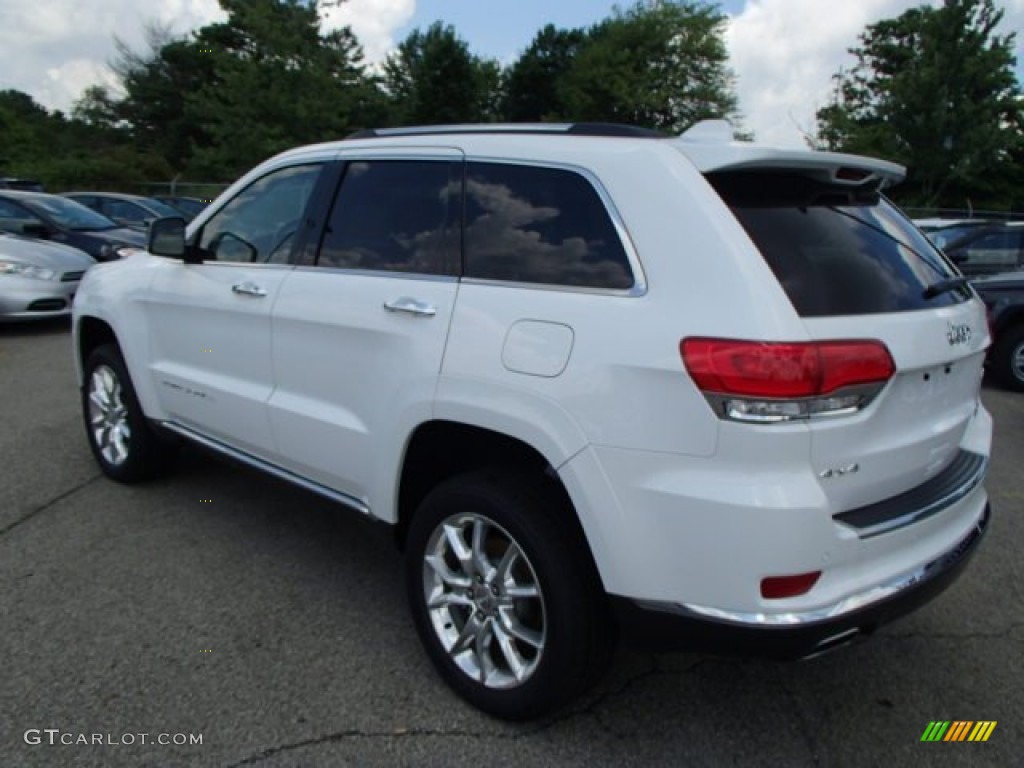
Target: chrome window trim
x: 265, y: 466
x: 437, y: 154
x: 639, y: 287
x: 422, y: 276
x: 233, y: 264
x: 494, y: 283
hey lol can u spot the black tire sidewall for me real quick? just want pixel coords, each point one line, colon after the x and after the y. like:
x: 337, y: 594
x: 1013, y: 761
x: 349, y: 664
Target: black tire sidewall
x: 1003, y: 357
x: 529, y: 517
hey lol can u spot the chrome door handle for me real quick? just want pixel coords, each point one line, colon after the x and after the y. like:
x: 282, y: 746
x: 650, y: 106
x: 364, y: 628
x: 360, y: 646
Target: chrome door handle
x: 411, y: 306
x: 249, y: 289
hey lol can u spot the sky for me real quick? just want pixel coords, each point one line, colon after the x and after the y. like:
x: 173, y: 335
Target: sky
x: 783, y: 52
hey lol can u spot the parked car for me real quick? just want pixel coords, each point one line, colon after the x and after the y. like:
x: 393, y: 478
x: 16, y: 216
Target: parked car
x: 126, y: 210
x: 38, y: 279
x: 1004, y: 297
x: 28, y: 185
x: 190, y: 207
x: 988, y: 250
x: 944, y: 231
x: 51, y: 217
x: 602, y: 383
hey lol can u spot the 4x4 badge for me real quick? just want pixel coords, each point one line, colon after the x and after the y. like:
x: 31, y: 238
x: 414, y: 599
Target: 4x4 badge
x: 959, y: 333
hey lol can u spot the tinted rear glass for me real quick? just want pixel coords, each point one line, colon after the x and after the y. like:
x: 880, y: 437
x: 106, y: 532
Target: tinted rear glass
x: 834, y: 251
x: 540, y: 225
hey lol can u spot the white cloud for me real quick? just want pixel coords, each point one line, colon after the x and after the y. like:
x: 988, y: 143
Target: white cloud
x: 785, y: 52
x: 54, y: 49
x: 374, y: 22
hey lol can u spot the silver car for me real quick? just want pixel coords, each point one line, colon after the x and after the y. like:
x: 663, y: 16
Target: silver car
x: 38, y: 279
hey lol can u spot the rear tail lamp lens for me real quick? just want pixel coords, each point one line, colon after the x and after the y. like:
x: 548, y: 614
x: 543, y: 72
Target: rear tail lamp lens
x: 772, y: 381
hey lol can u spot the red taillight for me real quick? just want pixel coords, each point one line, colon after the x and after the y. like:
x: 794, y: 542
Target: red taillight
x: 778, y: 587
x: 783, y: 370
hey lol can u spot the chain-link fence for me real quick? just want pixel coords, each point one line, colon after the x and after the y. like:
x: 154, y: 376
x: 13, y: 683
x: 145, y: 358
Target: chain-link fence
x: 963, y: 213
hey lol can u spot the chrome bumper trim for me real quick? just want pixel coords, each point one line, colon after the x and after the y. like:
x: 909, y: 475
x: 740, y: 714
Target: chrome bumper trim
x: 849, y: 604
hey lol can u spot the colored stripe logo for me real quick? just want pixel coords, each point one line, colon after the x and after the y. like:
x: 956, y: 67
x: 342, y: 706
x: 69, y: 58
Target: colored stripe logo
x: 958, y: 730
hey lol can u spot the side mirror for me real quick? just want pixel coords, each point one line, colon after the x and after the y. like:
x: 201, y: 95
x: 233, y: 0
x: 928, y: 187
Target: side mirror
x: 166, y: 237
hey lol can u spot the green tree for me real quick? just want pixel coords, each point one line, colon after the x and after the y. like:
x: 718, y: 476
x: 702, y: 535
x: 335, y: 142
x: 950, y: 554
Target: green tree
x: 934, y: 89
x: 27, y: 128
x: 99, y: 108
x: 660, y: 64
x: 277, y: 81
x: 434, y: 79
x: 533, y: 83
x: 157, y: 84
x: 88, y: 150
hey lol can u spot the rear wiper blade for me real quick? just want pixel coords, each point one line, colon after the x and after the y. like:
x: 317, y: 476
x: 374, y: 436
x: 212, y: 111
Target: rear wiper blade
x: 944, y: 286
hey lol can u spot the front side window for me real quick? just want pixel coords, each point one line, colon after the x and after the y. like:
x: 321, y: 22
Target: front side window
x: 529, y: 224
x: 259, y: 224
x: 394, y: 216
x: 833, y: 250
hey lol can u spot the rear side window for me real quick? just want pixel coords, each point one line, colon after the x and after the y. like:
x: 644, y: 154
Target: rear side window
x: 834, y: 251
x: 540, y: 225
x: 394, y: 216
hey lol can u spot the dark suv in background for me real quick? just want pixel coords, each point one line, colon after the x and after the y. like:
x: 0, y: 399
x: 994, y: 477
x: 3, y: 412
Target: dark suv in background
x: 1004, y: 297
x: 988, y: 250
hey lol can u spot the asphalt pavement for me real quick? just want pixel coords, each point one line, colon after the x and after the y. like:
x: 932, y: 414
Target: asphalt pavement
x: 221, y: 604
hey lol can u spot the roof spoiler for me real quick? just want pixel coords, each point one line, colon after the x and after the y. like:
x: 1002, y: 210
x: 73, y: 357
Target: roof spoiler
x: 712, y: 147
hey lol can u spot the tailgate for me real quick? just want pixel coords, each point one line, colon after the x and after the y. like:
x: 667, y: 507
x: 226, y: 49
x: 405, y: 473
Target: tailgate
x: 914, y: 428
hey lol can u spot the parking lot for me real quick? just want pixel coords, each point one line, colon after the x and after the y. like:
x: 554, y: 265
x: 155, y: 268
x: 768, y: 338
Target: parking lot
x: 223, y: 603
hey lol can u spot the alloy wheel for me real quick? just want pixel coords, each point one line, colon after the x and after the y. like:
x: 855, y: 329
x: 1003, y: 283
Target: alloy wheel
x: 108, y: 416
x: 484, y: 601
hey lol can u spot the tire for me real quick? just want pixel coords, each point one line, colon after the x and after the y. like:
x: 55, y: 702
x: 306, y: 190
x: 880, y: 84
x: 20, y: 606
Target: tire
x: 518, y: 624
x: 125, y: 446
x: 1007, y: 359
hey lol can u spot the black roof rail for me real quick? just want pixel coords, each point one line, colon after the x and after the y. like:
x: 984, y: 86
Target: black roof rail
x: 615, y: 129
x: 569, y: 129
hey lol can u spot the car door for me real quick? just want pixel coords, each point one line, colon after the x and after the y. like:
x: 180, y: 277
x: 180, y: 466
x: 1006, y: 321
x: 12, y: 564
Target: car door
x: 358, y: 335
x: 209, y: 322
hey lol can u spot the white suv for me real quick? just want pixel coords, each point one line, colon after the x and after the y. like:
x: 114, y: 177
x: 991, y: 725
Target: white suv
x: 602, y: 383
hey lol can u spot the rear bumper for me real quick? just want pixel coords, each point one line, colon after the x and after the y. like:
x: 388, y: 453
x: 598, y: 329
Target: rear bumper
x: 666, y: 626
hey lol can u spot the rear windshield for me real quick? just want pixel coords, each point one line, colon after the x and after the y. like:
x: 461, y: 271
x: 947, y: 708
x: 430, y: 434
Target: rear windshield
x: 836, y: 251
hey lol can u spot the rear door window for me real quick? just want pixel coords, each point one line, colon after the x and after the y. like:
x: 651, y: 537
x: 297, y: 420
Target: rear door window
x: 835, y: 251
x: 395, y: 216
